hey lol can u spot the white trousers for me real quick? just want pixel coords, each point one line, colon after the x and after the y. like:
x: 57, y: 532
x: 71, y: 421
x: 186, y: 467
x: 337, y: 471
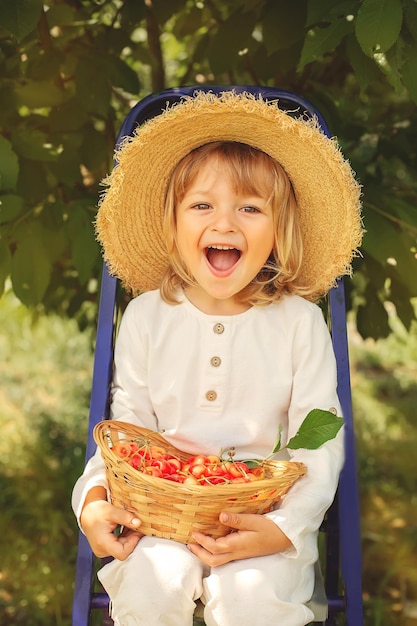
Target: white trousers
x: 160, y: 581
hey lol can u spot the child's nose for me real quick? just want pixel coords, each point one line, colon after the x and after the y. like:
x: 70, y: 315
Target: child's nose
x: 224, y: 220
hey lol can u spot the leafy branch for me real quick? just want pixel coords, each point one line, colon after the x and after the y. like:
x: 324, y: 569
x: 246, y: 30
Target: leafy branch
x: 318, y: 427
x: 392, y: 218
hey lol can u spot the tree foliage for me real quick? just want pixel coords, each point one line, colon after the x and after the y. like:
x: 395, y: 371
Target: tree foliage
x: 71, y: 69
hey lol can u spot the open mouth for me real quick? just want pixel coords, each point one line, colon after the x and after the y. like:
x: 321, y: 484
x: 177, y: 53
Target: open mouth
x: 221, y: 257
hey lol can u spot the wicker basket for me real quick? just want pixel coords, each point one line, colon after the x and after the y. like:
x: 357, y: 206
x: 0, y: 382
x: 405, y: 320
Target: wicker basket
x: 173, y: 510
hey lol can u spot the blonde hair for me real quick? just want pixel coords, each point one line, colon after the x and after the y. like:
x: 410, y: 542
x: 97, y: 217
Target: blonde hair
x: 251, y: 172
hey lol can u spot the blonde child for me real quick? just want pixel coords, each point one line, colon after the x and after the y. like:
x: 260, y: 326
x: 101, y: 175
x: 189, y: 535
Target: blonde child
x: 230, y: 218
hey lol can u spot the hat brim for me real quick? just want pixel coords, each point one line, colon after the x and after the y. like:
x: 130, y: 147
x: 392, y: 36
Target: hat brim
x: 130, y: 215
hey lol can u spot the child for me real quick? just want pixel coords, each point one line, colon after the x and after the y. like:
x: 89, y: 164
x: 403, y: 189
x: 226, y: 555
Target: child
x: 230, y: 218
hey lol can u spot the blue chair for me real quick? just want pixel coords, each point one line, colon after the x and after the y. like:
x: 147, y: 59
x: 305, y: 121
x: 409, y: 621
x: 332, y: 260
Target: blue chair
x: 340, y: 590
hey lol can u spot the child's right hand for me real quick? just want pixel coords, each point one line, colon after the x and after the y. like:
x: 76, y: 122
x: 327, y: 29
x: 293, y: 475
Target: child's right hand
x: 99, y: 519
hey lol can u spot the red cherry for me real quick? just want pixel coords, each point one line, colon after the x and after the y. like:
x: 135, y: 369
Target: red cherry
x: 198, y: 470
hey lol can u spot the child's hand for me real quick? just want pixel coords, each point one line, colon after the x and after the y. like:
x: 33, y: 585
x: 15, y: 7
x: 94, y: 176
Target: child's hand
x: 99, y: 519
x: 256, y: 535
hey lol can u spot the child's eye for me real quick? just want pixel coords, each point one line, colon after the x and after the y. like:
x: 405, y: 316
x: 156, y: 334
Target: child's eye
x: 201, y: 206
x: 250, y: 209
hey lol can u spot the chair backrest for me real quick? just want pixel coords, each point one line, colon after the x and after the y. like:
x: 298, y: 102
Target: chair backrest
x: 343, y: 564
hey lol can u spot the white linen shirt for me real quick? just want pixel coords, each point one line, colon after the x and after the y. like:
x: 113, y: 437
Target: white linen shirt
x: 211, y: 382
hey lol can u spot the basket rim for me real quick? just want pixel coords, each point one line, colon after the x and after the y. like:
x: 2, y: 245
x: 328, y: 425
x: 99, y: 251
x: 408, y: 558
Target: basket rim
x: 285, y: 468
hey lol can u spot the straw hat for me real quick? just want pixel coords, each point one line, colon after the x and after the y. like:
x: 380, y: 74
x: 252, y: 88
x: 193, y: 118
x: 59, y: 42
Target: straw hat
x: 130, y: 214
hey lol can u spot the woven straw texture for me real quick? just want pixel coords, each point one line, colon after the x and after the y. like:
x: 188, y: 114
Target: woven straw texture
x: 173, y: 510
x: 130, y: 215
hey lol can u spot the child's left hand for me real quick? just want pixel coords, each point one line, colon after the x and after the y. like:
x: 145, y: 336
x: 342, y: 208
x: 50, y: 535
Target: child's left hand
x: 255, y: 535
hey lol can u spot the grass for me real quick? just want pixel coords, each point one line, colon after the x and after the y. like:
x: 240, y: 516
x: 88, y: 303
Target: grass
x: 46, y: 377
x: 384, y: 389
x: 45, y: 373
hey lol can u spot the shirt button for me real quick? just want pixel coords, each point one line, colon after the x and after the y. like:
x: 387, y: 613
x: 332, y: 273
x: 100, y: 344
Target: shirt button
x: 218, y: 328
x: 211, y: 395
x: 215, y: 361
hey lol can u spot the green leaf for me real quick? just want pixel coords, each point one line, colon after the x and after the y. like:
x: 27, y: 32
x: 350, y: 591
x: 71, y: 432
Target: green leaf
x: 45, y: 66
x: 252, y: 463
x: 188, y: 22
x: 265, y: 65
x: 78, y: 218
x: 283, y: 24
x: 277, y: 445
x: 200, y: 51
x: 405, y: 210
x: 410, y: 18
x: 5, y: 263
x: 366, y: 71
x: 232, y: 36
x: 10, y: 207
x: 67, y: 117
x: 95, y: 100
x: 66, y: 168
x: 85, y: 251
x: 386, y: 243
x: 94, y: 150
x: 378, y: 25
x: 132, y: 13
x: 327, y: 10
x: 20, y: 17
x: 318, y: 427
x: 9, y: 165
x: 33, y: 144
x: 31, y: 266
x: 121, y: 75
x: 372, y: 318
x: 401, y: 298
x: 409, y: 72
x: 394, y: 60
x: 163, y: 10
x: 323, y: 40
x: 8, y: 103
x: 32, y: 183
x: 60, y: 15
x: 55, y: 241
x: 36, y: 94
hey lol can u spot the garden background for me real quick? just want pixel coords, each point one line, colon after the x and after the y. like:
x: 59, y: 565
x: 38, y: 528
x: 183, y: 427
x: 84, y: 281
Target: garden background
x: 69, y: 72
